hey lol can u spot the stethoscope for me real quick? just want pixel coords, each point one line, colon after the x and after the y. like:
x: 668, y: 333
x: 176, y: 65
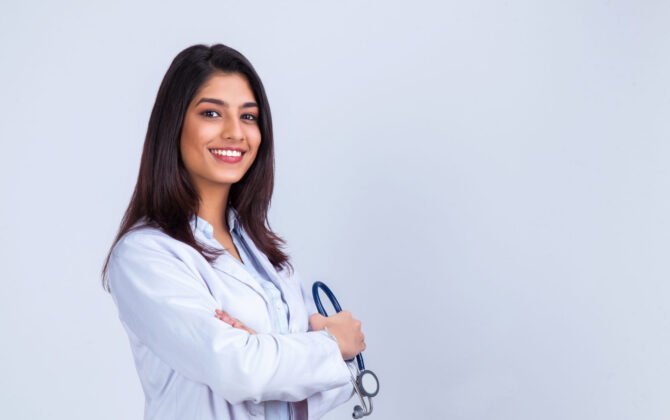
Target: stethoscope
x: 366, y: 383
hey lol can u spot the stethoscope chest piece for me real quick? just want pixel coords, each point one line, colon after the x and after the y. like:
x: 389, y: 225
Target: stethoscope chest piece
x: 368, y: 383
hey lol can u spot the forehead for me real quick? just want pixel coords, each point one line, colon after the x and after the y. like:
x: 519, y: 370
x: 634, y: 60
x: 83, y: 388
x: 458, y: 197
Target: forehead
x: 229, y: 87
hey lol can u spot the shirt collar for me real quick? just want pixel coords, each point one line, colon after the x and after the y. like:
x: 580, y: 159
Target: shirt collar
x: 198, y: 223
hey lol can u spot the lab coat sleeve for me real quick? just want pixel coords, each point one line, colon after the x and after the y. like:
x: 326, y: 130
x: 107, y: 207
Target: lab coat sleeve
x: 321, y: 402
x: 169, y: 308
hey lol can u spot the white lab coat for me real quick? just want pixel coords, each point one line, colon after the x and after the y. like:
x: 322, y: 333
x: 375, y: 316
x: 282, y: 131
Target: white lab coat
x: 192, y: 365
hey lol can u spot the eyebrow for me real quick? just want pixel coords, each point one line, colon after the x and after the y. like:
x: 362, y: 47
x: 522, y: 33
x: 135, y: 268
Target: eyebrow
x: 224, y: 104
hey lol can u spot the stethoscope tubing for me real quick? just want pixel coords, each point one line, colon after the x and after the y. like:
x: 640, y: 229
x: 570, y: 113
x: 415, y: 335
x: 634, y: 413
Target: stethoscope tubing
x: 319, y: 307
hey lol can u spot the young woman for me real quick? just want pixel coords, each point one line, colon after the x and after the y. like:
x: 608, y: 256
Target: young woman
x: 219, y: 323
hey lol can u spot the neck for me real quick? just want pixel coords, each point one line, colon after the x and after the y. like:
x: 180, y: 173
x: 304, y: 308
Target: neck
x: 213, y: 203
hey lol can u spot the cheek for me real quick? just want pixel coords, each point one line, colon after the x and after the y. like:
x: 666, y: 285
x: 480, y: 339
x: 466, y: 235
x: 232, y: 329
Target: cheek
x: 192, y: 133
x: 189, y: 152
x: 190, y: 144
x: 255, y: 140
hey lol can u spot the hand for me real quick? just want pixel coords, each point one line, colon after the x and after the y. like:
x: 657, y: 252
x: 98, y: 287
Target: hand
x: 223, y: 316
x: 345, y: 328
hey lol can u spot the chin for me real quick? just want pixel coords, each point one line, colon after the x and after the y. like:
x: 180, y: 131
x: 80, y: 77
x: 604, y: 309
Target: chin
x: 227, y: 180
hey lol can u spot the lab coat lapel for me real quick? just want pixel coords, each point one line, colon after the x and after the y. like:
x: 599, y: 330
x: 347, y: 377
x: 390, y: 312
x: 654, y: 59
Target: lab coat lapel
x: 228, y: 265
x: 260, y: 256
x: 275, y: 277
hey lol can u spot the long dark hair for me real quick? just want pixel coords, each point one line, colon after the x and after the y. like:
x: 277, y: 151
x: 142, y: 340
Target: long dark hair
x: 164, y: 195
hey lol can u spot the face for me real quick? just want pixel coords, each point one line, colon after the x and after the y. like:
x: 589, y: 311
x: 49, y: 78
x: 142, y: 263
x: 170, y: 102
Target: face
x: 220, y: 136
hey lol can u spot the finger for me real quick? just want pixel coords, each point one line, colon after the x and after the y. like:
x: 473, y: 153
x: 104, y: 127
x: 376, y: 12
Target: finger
x: 238, y: 324
x: 249, y: 330
x: 222, y: 315
x: 224, y: 318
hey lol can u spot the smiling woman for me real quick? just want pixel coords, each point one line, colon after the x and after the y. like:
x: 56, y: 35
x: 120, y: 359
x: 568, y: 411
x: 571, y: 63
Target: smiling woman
x: 201, y: 284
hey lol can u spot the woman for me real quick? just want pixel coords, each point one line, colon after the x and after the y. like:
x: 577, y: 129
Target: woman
x: 216, y: 317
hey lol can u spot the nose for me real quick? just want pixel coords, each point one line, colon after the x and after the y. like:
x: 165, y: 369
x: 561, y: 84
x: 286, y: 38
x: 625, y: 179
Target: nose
x: 232, y: 129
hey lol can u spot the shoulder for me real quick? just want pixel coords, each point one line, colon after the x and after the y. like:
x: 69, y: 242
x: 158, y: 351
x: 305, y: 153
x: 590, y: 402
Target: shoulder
x: 148, y: 257
x: 140, y: 236
x: 144, y: 240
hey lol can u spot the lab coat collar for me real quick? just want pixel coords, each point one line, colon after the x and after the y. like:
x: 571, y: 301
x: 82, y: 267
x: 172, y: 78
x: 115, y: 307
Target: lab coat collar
x: 202, y: 225
x: 226, y: 263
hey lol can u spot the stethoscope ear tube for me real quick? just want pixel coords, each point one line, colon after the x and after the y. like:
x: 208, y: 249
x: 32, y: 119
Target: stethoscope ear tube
x: 319, y: 307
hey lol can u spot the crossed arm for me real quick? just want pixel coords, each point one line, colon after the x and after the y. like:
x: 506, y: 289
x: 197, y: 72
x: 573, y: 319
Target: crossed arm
x: 345, y: 328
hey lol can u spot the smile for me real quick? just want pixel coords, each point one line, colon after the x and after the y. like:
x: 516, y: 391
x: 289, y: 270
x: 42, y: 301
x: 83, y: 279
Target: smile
x: 226, y: 152
x: 227, y: 155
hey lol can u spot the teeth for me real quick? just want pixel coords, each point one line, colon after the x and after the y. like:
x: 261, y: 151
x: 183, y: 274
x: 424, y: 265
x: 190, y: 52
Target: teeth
x: 226, y: 152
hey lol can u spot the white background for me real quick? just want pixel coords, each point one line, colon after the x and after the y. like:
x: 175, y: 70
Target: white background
x: 484, y: 184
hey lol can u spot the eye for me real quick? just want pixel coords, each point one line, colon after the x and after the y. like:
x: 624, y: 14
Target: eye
x: 209, y: 112
x: 250, y: 117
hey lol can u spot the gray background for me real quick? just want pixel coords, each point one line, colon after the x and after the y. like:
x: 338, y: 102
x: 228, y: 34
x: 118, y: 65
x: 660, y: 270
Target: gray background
x: 484, y: 184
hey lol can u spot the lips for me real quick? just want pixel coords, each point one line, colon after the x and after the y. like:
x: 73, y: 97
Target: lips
x: 228, y: 154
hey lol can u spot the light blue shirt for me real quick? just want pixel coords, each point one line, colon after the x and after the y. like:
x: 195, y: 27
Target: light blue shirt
x: 274, y: 410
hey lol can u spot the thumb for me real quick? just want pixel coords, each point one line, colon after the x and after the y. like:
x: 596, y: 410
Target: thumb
x: 317, y: 322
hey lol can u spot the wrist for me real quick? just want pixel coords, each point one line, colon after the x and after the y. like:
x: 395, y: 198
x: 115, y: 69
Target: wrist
x: 332, y: 337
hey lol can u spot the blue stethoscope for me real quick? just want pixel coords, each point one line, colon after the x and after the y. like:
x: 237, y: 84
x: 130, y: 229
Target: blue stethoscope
x: 366, y: 383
